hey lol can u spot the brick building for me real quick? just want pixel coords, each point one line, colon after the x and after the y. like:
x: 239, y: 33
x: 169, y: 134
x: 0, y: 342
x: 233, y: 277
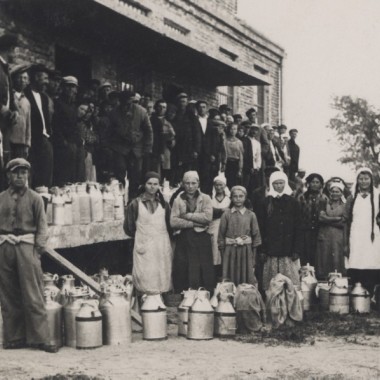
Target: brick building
x: 160, y: 47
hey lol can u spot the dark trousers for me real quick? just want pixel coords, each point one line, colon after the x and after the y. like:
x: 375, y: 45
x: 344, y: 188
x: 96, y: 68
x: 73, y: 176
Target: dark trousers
x: 252, y: 181
x: 207, y: 171
x: 131, y: 164
x: 19, y: 151
x: 192, y: 265
x: 232, y: 168
x: 21, y: 294
x: 179, y: 171
x: 367, y: 277
x: 67, y: 160
x: 41, y: 157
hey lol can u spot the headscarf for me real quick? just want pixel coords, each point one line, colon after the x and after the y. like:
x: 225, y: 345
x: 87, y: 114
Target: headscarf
x: 276, y: 176
x: 341, y: 187
x: 150, y: 175
x: 360, y: 171
x: 239, y: 188
x: 311, y: 176
x: 192, y: 174
x: 221, y: 178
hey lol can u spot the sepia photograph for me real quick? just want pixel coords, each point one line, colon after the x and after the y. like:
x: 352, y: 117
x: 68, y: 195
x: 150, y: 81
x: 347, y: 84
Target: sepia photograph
x: 189, y: 189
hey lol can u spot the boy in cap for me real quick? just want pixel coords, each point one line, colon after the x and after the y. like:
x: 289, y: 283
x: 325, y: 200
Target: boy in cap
x: 23, y: 237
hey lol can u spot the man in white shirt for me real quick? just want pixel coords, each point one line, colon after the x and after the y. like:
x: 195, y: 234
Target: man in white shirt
x: 252, y: 160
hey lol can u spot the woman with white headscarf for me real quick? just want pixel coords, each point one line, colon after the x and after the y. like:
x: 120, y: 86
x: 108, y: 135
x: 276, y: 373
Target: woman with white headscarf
x: 282, y: 236
x: 190, y: 217
x: 330, y: 240
x: 363, y: 233
x: 220, y: 202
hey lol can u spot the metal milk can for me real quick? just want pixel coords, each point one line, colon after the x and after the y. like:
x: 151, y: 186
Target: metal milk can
x: 183, y: 311
x: 50, y: 281
x: 322, y: 291
x: 360, y: 299
x: 339, y: 298
x: 108, y: 205
x: 58, y: 208
x: 68, y: 205
x: 308, y: 285
x: 333, y: 275
x: 88, y: 325
x: 68, y: 284
x: 72, y: 193
x: 84, y: 204
x: 225, y: 317
x: 117, y: 190
x: 70, y: 311
x: 201, y: 317
x: 116, y: 312
x: 96, y: 202
x: 54, y: 318
x: 153, y: 312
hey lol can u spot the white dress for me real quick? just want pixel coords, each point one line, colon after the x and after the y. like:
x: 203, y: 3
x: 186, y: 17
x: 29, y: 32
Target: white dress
x: 213, y: 229
x: 152, y: 253
x: 364, y: 254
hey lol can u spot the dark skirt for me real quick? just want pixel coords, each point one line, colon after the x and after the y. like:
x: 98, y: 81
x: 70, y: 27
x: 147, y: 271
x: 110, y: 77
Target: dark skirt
x: 310, y: 237
x: 193, y: 264
x: 238, y: 264
x: 232, y: 168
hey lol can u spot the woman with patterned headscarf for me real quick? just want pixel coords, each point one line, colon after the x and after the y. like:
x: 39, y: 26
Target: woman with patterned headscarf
x: 312, y: 202
x: 330, y: 242
x: 363, y: 233
x: 282, y: 239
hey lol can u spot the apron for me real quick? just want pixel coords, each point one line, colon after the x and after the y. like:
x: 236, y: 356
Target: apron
x: 152, y: 252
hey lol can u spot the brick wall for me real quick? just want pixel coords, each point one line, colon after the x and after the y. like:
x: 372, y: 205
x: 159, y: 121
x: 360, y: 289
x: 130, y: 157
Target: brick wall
x: 253, y: 50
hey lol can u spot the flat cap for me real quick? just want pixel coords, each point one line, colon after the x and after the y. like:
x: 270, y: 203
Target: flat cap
x: 70, y: 80
x: 182, y: 95
x: 105, y: 84
x: 17, y: 163
x: 18, y: 69
x: 38, y: 68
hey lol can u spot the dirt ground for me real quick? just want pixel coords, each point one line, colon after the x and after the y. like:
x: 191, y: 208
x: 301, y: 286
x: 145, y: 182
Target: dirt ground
x: 320, y: 355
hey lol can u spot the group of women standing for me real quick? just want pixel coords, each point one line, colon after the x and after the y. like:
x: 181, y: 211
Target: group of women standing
x: 201, y: 238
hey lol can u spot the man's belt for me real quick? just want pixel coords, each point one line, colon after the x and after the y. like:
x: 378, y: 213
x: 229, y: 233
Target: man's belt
x: 14, y: 240
x: 241, y: 240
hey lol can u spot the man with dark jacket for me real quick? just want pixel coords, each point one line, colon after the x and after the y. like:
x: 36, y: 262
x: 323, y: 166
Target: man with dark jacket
x: 68, y: 163
x: 185, y: 153
x: 131, y: 140
x: 41, y: 151
x: 210, y: 147
x: 294, y: 152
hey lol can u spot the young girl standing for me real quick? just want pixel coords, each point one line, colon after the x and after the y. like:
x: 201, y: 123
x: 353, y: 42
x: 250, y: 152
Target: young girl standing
x: 282, y: 237
x: 239, y: 236
x: 363, y: 233
x: 234, y: 153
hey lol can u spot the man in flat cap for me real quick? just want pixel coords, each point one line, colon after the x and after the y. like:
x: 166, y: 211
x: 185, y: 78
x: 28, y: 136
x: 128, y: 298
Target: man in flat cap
x: 104, y: 90
x: 41, y: 150
x: 67, y: 140
x: 131, y: 140
x: 20, y: 132
x: 23, y: 237
x: 294, y: 153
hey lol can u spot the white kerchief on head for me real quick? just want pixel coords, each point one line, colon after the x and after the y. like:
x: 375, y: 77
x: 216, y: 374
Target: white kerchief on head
x: 192, y: 174
x: 277, y: 176
x: 221, y: 178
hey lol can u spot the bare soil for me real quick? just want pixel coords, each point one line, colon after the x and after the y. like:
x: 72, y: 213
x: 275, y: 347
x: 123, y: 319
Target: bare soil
x: 324, y: 346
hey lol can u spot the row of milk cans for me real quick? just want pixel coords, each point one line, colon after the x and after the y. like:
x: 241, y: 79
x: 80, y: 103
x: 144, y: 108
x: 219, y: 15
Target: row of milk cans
x: 334, y: 295
x: 84, y: 203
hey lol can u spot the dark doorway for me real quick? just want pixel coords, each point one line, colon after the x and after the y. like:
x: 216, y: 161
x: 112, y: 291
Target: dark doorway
x: 70, y: 62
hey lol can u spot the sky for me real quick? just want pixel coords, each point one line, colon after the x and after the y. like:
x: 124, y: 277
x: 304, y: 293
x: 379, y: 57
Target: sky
x: 332, y: 49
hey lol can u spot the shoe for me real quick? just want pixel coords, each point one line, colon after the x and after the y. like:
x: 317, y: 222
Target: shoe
x: 51, y: 348
x: 16, y: 344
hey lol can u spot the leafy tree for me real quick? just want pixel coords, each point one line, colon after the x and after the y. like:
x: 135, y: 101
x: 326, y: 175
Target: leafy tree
x: 357, y: 129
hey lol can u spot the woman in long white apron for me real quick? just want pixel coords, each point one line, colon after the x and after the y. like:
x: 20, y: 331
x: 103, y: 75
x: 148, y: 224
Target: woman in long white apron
x: 220, y: 202
x: 147, y: 219
x: 363, y: 232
